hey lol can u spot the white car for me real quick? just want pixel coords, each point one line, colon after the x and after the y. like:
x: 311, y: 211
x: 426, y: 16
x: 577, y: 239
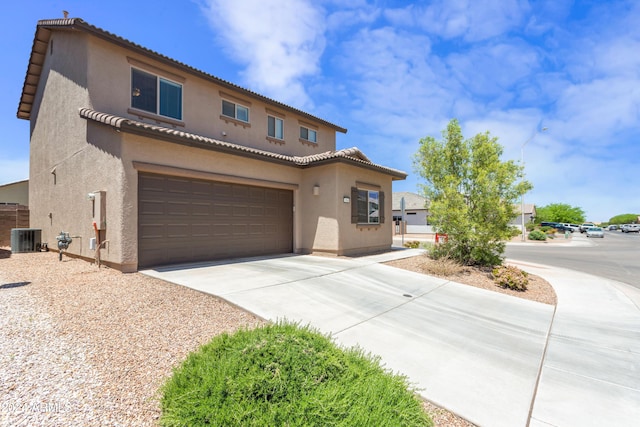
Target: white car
x: 595, y: 232
x: 631, y: 228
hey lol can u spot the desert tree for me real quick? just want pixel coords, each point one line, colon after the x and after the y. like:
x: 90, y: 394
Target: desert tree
x: 472, y: 194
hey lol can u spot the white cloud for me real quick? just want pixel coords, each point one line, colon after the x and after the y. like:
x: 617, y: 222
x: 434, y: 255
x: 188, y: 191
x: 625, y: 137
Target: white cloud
x: 279, y: 41
x: 493, y: 69
x: 468, y: 19
x: 398, y: 88
x: 595, y: 112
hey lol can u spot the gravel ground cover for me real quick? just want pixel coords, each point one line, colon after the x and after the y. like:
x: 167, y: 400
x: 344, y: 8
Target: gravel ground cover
x: 538, y: 289
x: 87, y: 346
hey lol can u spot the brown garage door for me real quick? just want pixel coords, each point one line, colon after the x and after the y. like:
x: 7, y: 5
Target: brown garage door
x: 184, y: 220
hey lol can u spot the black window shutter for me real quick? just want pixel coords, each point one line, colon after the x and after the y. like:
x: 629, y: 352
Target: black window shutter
x: 381, y: 207
x: 354, y: 205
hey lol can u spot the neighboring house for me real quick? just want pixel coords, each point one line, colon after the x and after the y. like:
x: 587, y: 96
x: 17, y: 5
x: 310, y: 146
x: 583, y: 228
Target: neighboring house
x: 529, y: 214
x: 415, y: 211
x: 15, y: 193
x: 170, y: 164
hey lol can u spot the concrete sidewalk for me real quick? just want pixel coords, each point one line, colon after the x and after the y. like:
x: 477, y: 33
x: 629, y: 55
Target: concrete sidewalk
x: 591, y: 370
x: 474, y: 352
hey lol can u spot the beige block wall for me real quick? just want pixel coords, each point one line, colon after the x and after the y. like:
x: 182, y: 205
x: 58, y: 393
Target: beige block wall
x: 110, y: 87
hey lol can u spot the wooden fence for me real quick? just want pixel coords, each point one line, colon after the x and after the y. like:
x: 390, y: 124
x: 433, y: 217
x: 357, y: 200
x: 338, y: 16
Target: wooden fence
x: 12, y: 216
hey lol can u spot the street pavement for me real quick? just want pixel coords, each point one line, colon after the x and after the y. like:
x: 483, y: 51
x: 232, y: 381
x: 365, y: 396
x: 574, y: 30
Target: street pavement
x: 492, y: 359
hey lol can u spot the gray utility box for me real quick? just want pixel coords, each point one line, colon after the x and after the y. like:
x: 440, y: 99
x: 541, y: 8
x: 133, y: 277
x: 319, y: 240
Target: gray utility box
x: 25, y: 240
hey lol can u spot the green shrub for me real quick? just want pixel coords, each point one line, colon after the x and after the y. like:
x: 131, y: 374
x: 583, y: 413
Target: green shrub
x: 507, y: 276
x: 284, y: 374
x: 413, y: 244
x: 537, y: 235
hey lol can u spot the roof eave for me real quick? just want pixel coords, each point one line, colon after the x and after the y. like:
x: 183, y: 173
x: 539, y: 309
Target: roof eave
x: 77, y: 23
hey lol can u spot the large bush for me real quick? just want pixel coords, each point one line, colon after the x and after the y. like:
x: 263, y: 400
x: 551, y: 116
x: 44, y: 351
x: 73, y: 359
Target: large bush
x: 286, y: 375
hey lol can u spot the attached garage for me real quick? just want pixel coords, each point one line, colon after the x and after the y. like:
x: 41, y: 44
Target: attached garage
x: 185, y: 220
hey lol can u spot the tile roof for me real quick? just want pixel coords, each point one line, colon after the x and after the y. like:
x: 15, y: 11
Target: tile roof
x: 349, y: 155
x: 39, y: 49
x: 412, y: 201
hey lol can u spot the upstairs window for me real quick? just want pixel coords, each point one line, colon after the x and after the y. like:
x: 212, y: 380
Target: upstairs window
x: 155, y: 94
x: 308, y: 134
x: 275, y: 127
x: 367, y: 206
x: 235, y: 111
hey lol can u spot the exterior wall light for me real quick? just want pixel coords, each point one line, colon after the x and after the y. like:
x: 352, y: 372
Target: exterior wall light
x: 316, y: 190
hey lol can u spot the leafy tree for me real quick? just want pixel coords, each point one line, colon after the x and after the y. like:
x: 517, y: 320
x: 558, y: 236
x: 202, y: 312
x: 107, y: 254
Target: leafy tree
x: 560, y: 212
x: 471, y: 194
x: 624, y: 219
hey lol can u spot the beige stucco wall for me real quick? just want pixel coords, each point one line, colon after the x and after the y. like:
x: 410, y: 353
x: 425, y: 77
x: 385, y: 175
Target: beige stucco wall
x: 356, y: 238
x: 327, y: 223
x: 110, y: 86
x: 60, y: 160
x: 15, y: 193
x: 71, y: 157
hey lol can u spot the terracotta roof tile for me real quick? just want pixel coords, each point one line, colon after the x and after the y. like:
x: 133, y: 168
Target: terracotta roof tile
x: 41, y: 40
x: 352, y: 155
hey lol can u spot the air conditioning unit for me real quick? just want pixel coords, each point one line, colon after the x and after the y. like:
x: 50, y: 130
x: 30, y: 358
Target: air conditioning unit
x: 25, y: 240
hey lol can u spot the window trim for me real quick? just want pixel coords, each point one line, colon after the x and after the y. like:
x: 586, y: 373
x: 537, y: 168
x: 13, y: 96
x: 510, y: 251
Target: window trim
x: 156, y: 115
x: 355, y: 206
x: 309, y: 130
x: 275, y: 120
x: 235, y: 120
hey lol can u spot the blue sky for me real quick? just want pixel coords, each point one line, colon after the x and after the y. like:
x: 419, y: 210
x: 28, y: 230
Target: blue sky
x: 393, y: 72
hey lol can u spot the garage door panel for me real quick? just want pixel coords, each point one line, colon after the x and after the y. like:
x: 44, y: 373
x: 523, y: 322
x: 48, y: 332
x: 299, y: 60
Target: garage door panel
x: 148, y: 207
x: 184, y: 220
x: 241, y: 192
x: 151, y: 183
x: 240, y: 211
x: 257, y: 211
x: 178, y: 208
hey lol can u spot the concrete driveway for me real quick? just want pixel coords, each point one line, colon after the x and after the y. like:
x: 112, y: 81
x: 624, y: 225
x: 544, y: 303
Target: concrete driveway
x: 474, y: 352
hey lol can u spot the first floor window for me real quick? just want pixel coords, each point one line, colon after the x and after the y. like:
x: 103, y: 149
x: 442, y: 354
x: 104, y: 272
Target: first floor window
x: 275, y: 127
x: 367, y: 206
x: 308, y: 134
x: 155, y: 94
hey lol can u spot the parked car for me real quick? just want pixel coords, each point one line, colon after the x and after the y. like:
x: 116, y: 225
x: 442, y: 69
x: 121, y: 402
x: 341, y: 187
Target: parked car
x: 560, y: 227
x: 631, y: 228
x: 574, y: 227
x: 595, y: 232
x: 612, y: 227
x: 585, y: 225
x: 548, y: 224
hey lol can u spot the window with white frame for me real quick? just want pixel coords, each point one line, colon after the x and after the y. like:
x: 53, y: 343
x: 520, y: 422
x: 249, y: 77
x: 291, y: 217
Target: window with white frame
x: 275, y: 127
x: 308, y: 134
x: 235, y: 111
x: 156, y: 94
x: 367, y: 206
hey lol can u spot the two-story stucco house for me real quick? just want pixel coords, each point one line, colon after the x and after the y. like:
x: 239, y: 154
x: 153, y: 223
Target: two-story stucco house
x: 157, y: 162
